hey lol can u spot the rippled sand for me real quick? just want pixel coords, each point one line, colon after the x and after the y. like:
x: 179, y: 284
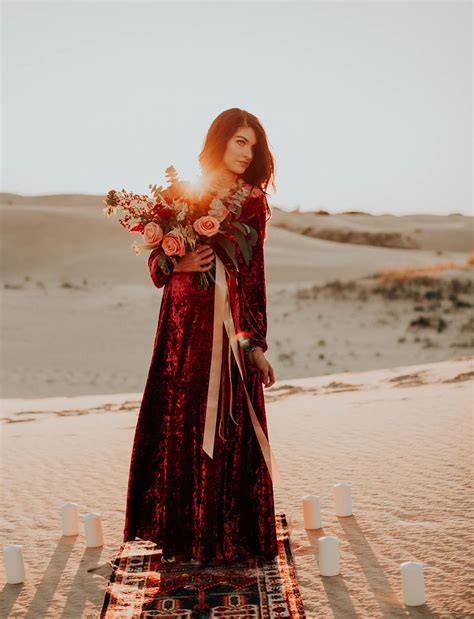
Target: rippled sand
x: 401, y: 436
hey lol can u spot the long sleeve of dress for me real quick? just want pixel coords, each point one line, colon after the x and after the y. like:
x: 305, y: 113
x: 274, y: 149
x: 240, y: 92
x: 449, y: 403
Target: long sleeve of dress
x: 252, y: 279
x: 158, y: 276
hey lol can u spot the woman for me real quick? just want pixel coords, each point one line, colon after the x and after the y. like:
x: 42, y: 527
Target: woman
x: 195, y: 507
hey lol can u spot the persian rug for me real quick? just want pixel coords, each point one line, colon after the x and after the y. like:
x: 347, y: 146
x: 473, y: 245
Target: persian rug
x: 141, y: 586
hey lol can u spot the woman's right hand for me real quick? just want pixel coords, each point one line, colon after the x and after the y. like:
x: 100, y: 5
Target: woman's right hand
x: 201, y: 259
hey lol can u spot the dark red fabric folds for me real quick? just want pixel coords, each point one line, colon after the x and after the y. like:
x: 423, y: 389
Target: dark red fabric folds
x: 179, y: 497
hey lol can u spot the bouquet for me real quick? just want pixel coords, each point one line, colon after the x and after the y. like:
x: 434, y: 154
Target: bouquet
x: 183, y: 216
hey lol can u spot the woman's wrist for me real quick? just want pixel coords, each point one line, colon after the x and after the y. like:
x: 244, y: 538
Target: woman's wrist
x: 248, y: 348
x: 252, y: 352
x: 254, y: 348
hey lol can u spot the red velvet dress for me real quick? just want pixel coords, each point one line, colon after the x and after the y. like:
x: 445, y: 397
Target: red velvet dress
x: 179, y: 497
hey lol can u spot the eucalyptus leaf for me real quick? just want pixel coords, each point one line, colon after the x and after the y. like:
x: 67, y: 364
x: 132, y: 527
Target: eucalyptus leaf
x: 164, y: 263
x: 253, y: 237
x: 241, y: 226
x: 229, y: 248
x: 243, y: 246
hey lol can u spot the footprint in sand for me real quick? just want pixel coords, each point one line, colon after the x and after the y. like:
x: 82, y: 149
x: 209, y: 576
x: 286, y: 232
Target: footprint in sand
x: 10, y: 420
x: 336, y: 386
x: 460, y: 377
x: 287, y: 390
x: 407, y: 380
x: 283, y: 392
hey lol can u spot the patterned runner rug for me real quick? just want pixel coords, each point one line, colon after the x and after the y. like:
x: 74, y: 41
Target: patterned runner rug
x: 141, y: 586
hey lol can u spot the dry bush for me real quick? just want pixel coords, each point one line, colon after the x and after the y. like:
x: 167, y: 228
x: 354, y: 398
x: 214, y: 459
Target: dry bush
x: 418, y: 270
x: 421, y: 288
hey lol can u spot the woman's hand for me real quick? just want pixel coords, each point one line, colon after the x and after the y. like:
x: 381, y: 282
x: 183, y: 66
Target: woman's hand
x: 257, y: 358
x: 201, y: 259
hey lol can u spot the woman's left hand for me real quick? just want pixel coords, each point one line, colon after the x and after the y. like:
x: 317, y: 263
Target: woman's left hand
x: 257, y: 358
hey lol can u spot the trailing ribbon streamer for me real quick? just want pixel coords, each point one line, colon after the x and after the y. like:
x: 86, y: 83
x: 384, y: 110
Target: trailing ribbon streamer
x: 223, y: 315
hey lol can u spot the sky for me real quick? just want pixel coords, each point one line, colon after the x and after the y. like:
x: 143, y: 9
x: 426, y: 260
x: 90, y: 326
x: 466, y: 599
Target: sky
x: 367, y: 105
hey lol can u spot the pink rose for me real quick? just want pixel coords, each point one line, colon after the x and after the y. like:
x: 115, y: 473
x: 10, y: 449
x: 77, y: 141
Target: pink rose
x: 173, y: 245
x: 206, y: 225
x: 152, y: 233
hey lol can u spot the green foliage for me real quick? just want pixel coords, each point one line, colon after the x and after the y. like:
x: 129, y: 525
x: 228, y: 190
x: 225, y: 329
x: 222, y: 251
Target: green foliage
x: 164, y: 263
x: 229, y: 248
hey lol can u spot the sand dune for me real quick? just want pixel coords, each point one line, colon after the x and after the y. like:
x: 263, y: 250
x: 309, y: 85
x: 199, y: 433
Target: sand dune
x: 430, y: 232
x: 79, y: 310
x: 79, y: 314
x: 56, y: 199
x: 400, y: 435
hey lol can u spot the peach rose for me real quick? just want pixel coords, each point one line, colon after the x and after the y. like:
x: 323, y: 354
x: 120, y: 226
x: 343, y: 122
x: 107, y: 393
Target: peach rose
x: 173, y: 245
x: 206, y: 225
x: 152, y: 233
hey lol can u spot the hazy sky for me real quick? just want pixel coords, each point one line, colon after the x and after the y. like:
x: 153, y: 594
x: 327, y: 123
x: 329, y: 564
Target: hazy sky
x: 367, y: 105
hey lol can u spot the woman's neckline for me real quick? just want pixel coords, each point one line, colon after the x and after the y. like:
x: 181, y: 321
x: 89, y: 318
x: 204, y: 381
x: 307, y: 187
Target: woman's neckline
x: 226, y: 190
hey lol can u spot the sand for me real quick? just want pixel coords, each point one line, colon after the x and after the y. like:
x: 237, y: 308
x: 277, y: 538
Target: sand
x: 347, y: 321
x: 79, y: 310
x: 400, y: 436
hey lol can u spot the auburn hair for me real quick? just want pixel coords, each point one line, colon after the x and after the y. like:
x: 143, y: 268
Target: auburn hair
x: 261, y: 170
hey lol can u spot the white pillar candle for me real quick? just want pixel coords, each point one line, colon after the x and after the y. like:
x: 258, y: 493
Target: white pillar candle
x: 93, y: 530
x: 343, y: 499
x: 70, y: 518
x: 413, y: 583
x: 14, y: 563
x: 311, y: 512
x: 328, y: 556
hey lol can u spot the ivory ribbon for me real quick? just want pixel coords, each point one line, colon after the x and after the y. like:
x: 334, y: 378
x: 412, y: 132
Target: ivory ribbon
x: 223, y: 315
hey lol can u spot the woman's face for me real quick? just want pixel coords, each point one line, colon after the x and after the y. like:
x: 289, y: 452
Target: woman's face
x: 240, y: 150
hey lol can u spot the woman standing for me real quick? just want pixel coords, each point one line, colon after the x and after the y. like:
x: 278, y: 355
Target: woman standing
x: 195, y: 507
